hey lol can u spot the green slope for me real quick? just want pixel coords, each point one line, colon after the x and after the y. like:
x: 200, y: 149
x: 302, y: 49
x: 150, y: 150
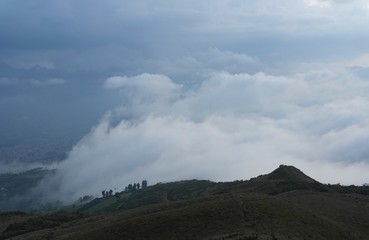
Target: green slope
x: 159, y: 193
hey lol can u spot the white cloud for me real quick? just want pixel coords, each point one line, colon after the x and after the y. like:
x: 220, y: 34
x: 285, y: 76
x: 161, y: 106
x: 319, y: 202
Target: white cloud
x: 318, y: 3
x: 234, y: 126
x: 145, y: 93
x: 150, y: 83
x: 360, y: 61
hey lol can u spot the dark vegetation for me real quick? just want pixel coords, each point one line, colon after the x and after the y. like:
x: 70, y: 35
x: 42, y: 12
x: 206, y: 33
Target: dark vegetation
x: 14, y: 188
x: 285, y: 204
x: 129, y: 188
x: 16, y: 184
x: 32, y: 224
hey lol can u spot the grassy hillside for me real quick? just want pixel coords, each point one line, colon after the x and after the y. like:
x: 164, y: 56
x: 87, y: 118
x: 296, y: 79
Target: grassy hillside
x: 285, y: 204
x: 159, y: 193
x: 283, y: 179
x: 224, y: 216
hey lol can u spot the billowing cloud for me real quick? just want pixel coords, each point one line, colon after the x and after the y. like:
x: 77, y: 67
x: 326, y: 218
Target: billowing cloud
x: 234, y: 126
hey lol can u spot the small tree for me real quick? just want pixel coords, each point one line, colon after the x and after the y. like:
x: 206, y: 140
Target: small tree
x: 85, y: 199
x: 134, y: 186
x: 138, y: 185
x: 144, y: 184
x: 103, y: 193
x: 110, y: 193
x: 130, y: 187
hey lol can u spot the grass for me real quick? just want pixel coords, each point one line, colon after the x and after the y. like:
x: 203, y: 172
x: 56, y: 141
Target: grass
x: 285, y: 204
x: 223, y: 216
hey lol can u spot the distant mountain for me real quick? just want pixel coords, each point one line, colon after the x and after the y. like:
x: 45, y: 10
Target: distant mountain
x: 284, y: 204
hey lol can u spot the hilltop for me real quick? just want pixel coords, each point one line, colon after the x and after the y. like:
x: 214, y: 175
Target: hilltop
x: 284, y: 204
x: 283, y: 179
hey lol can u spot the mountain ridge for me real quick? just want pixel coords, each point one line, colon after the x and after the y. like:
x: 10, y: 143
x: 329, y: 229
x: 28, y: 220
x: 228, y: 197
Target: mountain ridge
x: 284, y: 204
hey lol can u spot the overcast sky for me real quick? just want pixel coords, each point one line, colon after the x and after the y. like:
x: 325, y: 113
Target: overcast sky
x: 212, y: 89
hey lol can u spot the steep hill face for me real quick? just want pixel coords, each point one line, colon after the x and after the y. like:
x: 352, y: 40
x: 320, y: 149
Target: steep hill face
x: 284, y: 204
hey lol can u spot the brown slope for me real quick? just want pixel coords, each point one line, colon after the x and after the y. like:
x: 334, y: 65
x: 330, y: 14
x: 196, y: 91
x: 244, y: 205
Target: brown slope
x: 225, y: 216
x: 294, y: 207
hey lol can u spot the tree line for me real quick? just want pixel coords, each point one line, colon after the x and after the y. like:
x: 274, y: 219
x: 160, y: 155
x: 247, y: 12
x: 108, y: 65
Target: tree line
x: 129, y: 188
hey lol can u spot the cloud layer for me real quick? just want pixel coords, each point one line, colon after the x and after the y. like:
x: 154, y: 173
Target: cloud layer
x: 234, y: 126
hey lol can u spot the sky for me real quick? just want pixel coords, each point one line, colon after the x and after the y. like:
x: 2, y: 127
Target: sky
x: 168, y: 90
